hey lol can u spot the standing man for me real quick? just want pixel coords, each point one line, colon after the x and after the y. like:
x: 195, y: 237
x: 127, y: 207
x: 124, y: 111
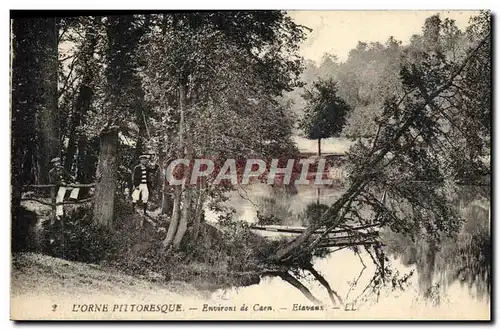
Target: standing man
x: 60, y: 177
x: 141, y: 180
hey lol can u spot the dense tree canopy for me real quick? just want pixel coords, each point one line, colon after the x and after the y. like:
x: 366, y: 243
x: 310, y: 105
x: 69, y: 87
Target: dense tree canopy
x: 325, y: 112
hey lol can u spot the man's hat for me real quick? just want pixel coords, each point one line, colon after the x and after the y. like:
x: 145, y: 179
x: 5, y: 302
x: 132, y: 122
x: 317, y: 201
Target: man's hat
x: 144, y: 156
x: 57, y: 159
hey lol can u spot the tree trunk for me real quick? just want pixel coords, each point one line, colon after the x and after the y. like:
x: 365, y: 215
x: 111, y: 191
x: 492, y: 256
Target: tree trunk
x: 186, y: 146
x: 198, y: 212
x: 174, y: 221
x: 140, y: 119
x: 319, y: 147
x: 106, y: 179
x: 34, y: 96
x: 81, y: 107
x: 84, y: 99
x: 87, y: 162
x: 186, y: 212
x: 47, y: 120
x: 22, y: 115
x: 166, y: 201
x: 331, y: 213
x: 186, y: 204
x: 164, y: 197
x: 22, y: 128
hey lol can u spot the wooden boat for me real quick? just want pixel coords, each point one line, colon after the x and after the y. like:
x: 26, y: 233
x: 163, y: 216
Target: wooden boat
x: 360, y: 235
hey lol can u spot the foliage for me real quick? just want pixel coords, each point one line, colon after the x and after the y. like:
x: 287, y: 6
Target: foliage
x: 312, y: 213
x: 409, y: 156
x: 371, y: 72
x: 226, y: 80
x: 77, y: 238
x: 222, y: 255
x: 202, y: 72
x: 325, y: 112
x: 211, y: 84
x: 23, y: 230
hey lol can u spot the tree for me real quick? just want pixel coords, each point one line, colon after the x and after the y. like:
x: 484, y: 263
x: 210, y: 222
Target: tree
x: 325, y: 112
x: 121, y: 92
x: 23, y: 114
x: 204, y: 73
x: 35, y: 95
x: 405, y: 158
x: 84, y: 65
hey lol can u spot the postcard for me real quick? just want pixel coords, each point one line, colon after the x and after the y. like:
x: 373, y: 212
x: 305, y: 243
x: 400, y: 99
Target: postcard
x: 251, y: 165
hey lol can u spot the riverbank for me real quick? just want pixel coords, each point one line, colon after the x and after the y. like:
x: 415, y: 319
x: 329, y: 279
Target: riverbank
x: 44, y: 287
x: 38, y: 274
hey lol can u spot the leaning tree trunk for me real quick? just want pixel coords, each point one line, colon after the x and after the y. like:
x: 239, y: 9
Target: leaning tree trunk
x: 174, y: 222
x: 104, y: 199
x: 330, y: 215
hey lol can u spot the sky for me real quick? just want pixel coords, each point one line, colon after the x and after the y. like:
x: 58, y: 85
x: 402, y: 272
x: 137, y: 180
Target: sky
x: 338, y: 32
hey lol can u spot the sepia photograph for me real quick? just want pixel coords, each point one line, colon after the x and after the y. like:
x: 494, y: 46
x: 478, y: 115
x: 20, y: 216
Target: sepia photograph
x: 250, y: 165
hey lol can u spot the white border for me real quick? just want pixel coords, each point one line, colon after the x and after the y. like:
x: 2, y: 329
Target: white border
x: 187, y: 4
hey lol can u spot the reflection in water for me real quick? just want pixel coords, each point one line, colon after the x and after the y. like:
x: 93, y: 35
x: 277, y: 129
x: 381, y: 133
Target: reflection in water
x: 465, y: 258
x: 363, y: 276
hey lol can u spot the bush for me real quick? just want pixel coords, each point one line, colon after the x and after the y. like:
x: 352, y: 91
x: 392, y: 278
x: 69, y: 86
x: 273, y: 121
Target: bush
x: 76, y: 238
x: 270, y: 219
x: 232, y: 247
x: 23, y: 230
x: 312, y: 213
x: 225, y: 254
x: 122, y: 210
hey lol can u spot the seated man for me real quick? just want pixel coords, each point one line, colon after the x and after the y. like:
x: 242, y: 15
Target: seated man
x: 60, y: 177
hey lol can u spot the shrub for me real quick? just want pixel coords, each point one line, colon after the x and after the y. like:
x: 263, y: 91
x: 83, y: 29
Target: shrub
x: 269, y: 219
x: 76, y: 238
x: 312, y: 213
x: 23, y: 230
x: 122, y: 209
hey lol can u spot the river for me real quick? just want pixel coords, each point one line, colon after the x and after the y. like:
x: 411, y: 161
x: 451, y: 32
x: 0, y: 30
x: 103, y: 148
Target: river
x: 428, y: 292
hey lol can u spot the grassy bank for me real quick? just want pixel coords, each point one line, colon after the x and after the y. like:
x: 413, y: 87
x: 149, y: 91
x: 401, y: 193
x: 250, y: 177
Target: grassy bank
x: 223, y: 255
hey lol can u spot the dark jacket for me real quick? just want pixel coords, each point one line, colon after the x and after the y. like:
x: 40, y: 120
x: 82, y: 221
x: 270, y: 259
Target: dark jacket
x: 59, y: 176
x: 137, y: 176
